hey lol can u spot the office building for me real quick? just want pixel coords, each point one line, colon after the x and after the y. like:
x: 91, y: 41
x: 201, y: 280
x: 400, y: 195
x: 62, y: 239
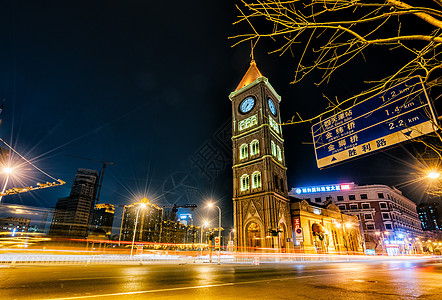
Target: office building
x: 103, y: 218
x: 72, y: 215
x: 429, y: 216
x: 148, y: 218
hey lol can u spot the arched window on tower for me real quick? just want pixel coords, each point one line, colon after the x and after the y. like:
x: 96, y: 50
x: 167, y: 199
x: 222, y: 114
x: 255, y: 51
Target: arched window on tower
x: 254, y: 147
x: 245, y: 185
x: 273, y: 148
x: 256, y: 180
x: 279, y: 153
x: 243, y: 151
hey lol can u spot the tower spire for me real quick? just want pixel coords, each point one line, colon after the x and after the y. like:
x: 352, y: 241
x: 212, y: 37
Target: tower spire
x: 251, y: 75
x: 252, y: 47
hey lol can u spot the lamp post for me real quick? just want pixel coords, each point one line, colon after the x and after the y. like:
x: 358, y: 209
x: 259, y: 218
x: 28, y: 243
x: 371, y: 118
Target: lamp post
x: 201, y: 238
x: 142, y: 205
x: 219, y: 231
x: 7, y: 171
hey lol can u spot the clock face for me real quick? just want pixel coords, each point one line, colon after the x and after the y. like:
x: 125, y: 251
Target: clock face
x: 247, y: 105
x: 272, y: 107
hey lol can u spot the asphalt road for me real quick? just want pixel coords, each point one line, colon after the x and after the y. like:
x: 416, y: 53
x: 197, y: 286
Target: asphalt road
x: 349, y: 280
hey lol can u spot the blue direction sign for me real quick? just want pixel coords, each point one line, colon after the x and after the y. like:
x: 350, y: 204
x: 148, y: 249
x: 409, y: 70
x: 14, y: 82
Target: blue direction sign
x: 401, y: 113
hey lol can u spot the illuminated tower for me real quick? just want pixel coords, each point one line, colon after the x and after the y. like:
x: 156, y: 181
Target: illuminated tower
x: 260, y: 196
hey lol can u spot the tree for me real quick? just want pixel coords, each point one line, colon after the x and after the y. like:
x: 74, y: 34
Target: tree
x: 325, y: 35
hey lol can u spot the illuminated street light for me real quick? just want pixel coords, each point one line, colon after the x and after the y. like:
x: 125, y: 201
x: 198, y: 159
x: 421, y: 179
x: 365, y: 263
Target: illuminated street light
x: 7, y: 171
x: 142, y: 205
x: 433, y: 175
x: 219, y: 230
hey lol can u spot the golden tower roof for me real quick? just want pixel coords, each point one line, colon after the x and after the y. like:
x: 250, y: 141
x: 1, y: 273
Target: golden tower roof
x: 251, y: 75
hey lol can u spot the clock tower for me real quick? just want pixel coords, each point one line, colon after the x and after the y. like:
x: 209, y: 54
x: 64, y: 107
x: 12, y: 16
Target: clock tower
x: 260, y: 194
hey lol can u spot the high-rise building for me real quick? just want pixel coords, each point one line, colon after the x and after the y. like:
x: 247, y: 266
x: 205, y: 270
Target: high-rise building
x: 185, y: 216
x: 429, y: 216
x: 103, y: 217
x: 260, y: 195
x: 148, y: 218
x: 72, y: 215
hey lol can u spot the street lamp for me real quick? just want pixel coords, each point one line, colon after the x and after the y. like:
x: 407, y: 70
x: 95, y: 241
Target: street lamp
x: 433, y: 175
x: 142, y: 205
x: 201, y: 238
x: 7, y: 171
x: 219, y: 230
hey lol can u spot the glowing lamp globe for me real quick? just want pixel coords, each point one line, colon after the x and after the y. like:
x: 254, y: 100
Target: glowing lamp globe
x: 433, y: 175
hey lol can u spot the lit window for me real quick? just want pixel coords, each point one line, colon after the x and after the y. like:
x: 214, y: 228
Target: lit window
x: 245, y: 182
x: 256, y: 179
x: 249, y: 122
x: 273, y: 124
x: 243, y: 151
x: 279, y: 154
x: 273, y: 148
x: 254, y: 147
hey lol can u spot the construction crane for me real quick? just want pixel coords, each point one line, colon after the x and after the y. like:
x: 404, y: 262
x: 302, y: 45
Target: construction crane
x: 13, y: 191
x: 105, y: 163
x: 39, y: 186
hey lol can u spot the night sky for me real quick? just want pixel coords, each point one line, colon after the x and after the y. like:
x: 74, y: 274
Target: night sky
x: 145, y: 85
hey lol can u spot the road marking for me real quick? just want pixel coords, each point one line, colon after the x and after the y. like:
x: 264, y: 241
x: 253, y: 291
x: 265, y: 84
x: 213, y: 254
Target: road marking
x: 186, y: 288
x: 91, y: 278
